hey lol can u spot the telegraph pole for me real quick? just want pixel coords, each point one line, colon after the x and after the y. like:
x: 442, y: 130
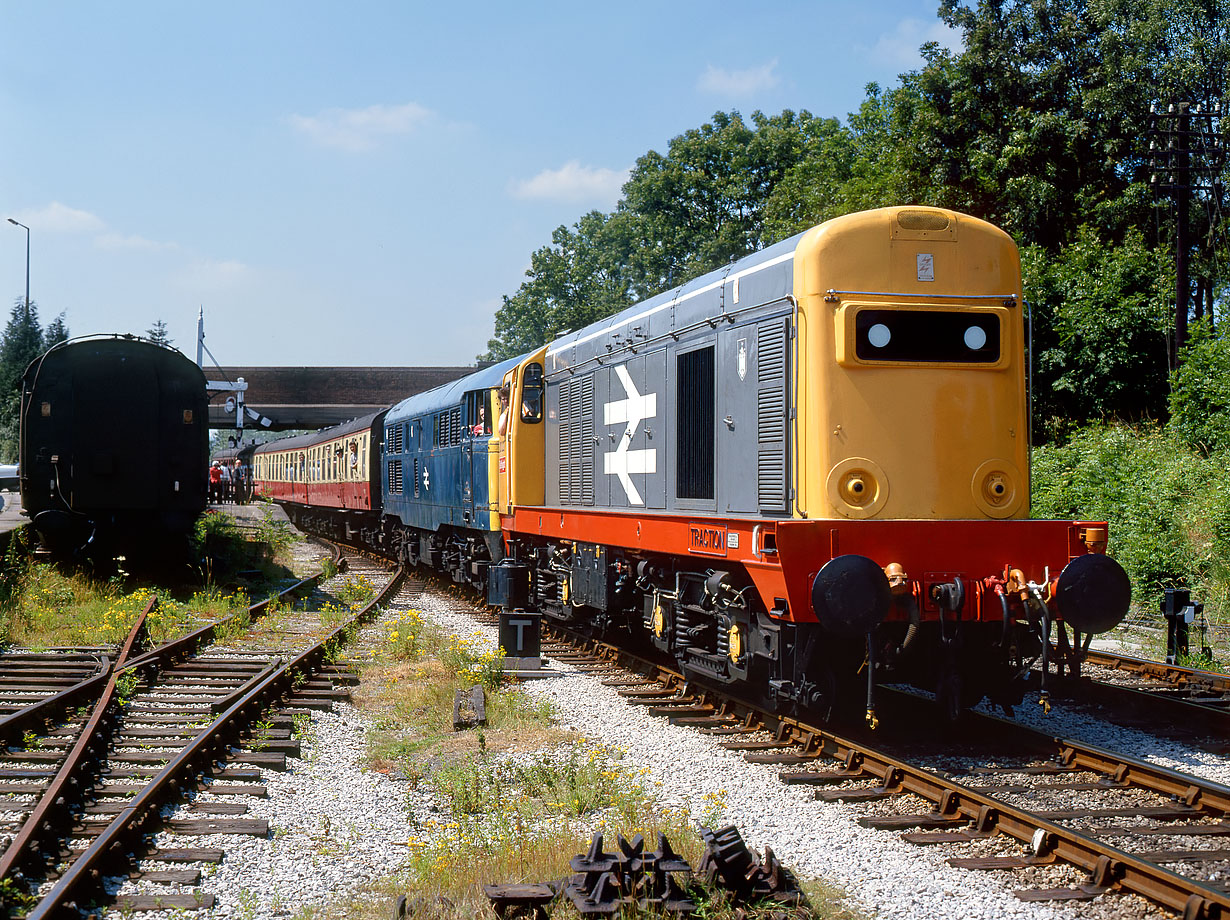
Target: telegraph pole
x: 1187, y: 154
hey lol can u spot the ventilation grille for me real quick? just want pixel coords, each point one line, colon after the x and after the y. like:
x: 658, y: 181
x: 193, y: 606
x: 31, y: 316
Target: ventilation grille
x: 922, y: 220
x: 771, y: 352
x: 395, y: 477
x: 393, y: 439
x: 576, y: 442
x: 771, y: 480
x: 771, y: 415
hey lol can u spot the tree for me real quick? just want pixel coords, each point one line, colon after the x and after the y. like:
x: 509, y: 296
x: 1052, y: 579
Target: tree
x: 702, y: 203
x: 1100, y: 323
x: 695, y: 208
x: 574, y: 281
x: 56, y: 332
x: 157, y: 333
x: 1200, y: 392
x: 23, y: 342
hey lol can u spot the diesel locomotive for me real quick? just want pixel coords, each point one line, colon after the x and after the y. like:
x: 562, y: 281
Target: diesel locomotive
x: 114, y: 446
x: 809, y: 465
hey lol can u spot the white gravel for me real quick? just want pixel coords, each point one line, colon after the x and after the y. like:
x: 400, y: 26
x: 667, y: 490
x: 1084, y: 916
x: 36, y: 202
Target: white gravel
x: 885, y: 876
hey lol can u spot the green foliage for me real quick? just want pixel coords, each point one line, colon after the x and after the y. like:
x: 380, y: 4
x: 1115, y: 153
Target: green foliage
x: 157, y: 334
x: 355, y: 591
x: 275, y: 533
x: 13, y: 569
x: 1039, y: 123
x: 23, y: 341
x: 1200, y: 393
x: 1168, y: 507
x: 1100, y: 330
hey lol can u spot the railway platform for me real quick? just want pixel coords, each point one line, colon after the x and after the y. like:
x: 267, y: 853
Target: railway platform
x: 10, y: 516
x: 254, y: 511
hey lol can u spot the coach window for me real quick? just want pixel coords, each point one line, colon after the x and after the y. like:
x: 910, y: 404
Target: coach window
x: 478, y: 414
x: 694, y: 408
x: 531, y: 393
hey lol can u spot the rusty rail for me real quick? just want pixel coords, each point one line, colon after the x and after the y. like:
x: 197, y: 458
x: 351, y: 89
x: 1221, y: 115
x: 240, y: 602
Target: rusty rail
x: 31, y: 717
x: 1108, y: 866
x: 1175, y: 674
x: 188, y: 644
x: 115, y: 841
x: 59, y: 797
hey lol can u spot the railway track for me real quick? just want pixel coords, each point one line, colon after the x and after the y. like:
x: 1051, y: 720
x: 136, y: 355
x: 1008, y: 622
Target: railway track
x: 1123, y: 824
x: 1137, y: 828
x: 201, y: 711
x: 1181, y: 703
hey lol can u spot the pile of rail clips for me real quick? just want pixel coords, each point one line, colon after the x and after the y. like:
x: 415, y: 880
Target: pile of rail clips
x: 657, y: 881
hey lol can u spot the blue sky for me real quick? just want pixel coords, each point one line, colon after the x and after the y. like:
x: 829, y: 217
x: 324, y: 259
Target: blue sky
x: 360, y: 183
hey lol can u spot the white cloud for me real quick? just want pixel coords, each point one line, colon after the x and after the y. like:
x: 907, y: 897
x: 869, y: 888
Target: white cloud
x: 573, y: 182
x: 60, y: 218
x: 722, y: 82
x: 899, y: 49
x: 117, y: 241
x: 356, y: 130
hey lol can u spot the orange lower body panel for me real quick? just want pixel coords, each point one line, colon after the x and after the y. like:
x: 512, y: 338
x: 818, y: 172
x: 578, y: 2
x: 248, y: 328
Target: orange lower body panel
x: 782, y: 557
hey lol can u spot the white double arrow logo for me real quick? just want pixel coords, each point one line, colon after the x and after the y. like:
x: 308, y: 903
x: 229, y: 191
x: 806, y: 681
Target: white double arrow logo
x: 622, y: 462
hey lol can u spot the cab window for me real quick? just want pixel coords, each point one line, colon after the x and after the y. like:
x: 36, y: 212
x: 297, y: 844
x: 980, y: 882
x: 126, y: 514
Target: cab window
x: 531, y: 393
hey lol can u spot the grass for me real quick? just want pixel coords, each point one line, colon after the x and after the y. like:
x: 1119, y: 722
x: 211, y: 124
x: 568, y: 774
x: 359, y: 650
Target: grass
x: 55, y: 608
x: 518, y: 798
x: 44, y: 605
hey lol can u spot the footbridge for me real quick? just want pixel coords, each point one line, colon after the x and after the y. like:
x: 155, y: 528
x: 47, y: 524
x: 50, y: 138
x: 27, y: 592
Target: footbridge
x: 288, y: 398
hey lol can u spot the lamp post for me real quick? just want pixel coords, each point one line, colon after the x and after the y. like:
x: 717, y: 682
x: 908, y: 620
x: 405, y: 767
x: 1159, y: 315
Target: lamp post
x: 27, y: 229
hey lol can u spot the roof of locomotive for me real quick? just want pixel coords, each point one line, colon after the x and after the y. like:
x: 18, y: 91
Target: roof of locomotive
x: 449, y: 395
x: 324, y: 435
x: 753, y: 272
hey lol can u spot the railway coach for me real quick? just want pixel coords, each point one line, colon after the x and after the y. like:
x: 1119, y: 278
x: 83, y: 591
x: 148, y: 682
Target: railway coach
x: 114, y: 446
x: 327, y: 481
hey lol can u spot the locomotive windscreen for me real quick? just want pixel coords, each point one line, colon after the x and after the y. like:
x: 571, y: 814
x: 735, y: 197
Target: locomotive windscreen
x: 927, y: 336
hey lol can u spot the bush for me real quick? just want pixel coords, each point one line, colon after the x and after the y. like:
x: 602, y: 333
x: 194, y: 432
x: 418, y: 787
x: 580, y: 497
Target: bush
x: 1168, y: 506
x: 1200, y: 393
